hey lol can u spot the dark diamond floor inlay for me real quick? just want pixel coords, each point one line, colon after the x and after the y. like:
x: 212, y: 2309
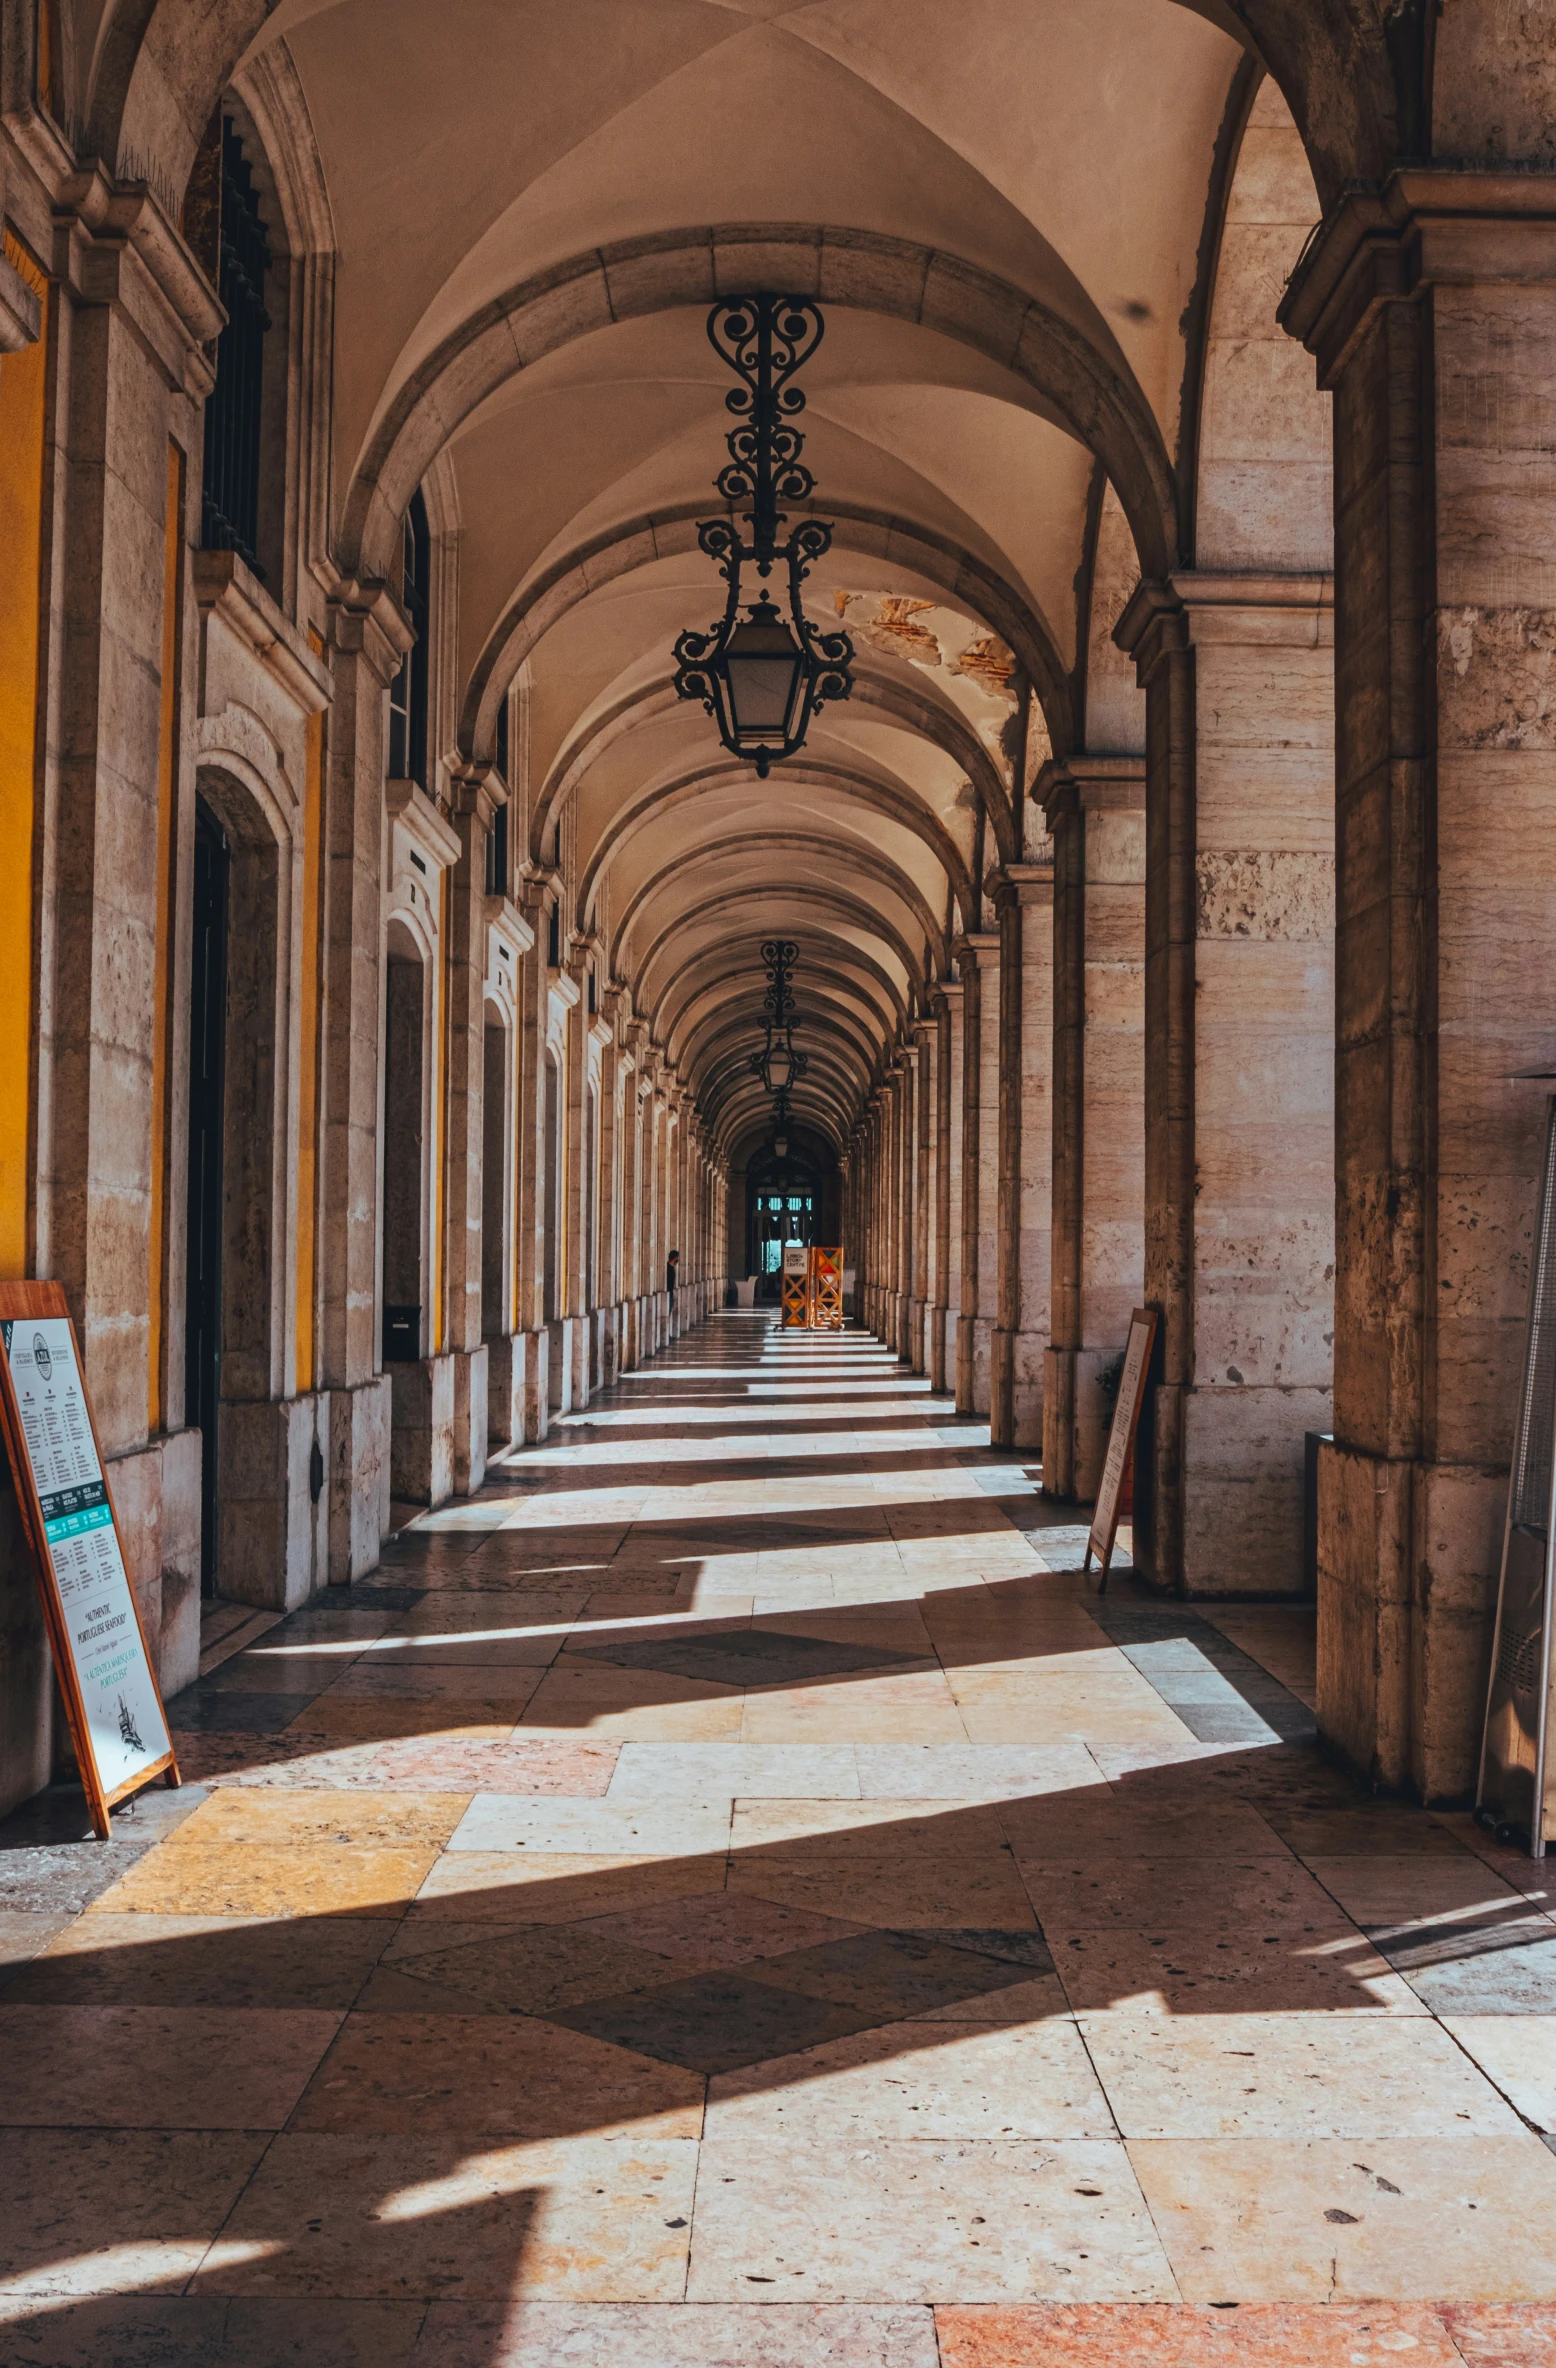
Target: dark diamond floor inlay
x: 715, y: 2022
x: 747, y: 1657
x: 893, y: 1976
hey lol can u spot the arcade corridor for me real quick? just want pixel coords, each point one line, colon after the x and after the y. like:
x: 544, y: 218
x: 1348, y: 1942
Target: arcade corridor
x: 730, y: 1895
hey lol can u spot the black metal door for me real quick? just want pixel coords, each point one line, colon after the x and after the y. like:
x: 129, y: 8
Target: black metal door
x: 207, y: 1106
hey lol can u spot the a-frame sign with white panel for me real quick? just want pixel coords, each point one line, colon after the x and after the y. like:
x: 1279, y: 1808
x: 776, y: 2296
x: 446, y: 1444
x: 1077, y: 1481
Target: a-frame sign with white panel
x: 106, y: 1679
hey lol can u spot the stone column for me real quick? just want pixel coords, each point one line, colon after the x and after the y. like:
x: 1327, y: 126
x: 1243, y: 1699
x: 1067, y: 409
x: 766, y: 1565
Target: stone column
x: 575, y: 1310
x: 474, y: 807
x: 1239, y: 1124
x: 927, y: 1038
x: 977, y: 1315
x: 1025, y: 1158
x: 368, y: 637
x: 529, y: 1244
x: 1096, y: 814
x: 1431, y: 309
x: 950, y: 1063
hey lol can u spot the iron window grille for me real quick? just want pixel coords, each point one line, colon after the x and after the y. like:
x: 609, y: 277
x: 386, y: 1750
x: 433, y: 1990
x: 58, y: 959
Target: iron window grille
x: 230, y: 499
x: 408, y: 693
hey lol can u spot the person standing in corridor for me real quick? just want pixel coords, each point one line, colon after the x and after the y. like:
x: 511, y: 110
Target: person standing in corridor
x: 671, y: 1264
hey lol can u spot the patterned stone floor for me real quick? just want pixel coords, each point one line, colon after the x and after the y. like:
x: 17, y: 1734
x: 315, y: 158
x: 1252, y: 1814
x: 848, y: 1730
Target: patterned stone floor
x: 734, y: 1895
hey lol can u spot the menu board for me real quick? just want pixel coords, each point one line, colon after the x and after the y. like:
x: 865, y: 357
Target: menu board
x: 109, y: 1687
x: 1121, y: 1440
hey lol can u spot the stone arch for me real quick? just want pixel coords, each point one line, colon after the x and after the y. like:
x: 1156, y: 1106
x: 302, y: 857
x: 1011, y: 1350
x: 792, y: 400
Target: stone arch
x: 898, y: 806
x: 844, y: 269
x: 861, y: 863
x: 966, y: 582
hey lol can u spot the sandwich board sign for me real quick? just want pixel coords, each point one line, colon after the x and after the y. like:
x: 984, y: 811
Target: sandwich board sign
x: 1121, y: 1441
x: 106, y: 1679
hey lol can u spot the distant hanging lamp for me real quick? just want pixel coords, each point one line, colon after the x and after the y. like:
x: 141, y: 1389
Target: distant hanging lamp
x: 762, y: 676
x: 780, y: 1063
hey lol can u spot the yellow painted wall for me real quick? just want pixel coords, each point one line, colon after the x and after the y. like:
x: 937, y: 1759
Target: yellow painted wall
x: 23, y: 386
x: 167, y: 801
x: 308, y: 1076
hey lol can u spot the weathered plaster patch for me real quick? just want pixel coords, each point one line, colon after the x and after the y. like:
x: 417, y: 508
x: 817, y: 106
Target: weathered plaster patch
x: 1264, y: 894
x: 1497, y: 674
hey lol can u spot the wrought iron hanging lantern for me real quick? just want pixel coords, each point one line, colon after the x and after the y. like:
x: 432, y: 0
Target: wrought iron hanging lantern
x: 762, y: 676
x: 780, y: 1063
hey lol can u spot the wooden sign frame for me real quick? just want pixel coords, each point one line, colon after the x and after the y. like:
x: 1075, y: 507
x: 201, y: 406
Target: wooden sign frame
x: 826, y: 1290
x: 22, y: 1303
x: 1120, y: 1455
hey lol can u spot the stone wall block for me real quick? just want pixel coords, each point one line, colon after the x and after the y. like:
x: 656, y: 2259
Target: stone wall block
x: 358, y: 1476
x: 1264, y: 893
x: 471, y: 1419
x: 421, y: 1466
x: 506, y: 1367
x: 1460, y: 1517
x: 1365, y: 1509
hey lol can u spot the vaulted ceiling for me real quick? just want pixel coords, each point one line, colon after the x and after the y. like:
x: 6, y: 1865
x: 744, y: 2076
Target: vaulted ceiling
x: 1000, y: 204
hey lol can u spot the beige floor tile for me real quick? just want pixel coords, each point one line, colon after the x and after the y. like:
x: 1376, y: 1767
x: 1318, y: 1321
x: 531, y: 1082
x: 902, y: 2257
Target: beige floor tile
x: 1290, y: 2076
x: 100, y: 2211
x: 1333, y: 2218
x: 485, y: 1678
x: 358, y: 1820
x: 232, y: 1961
x: 157, y: 2067
x: 1276, y: 1969
x: 1517, y: 2052
x: 1150, y: 1732
x: 918, y: 2080
x: 1099, y: 1825
x: 935, y: 1893
x: 834, y: 1714
x: 555, y: 1887
x: 585, y: 2219
x: 267, y: 1879
x: 825, y: 1829
x: 907, y: 2220
x: 479, y: 2075
x: 1157, y: 1896
x: 338, y: 1718
x: 619, y: 1829
x: 1422, y: 1887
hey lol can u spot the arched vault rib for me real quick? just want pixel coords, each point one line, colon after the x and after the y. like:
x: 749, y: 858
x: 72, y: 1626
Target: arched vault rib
x: 1351, y: 71
x: 860, y: 916
x: 874, y: 687
x: 845, y: 269
x: 875, y: 535
x: 845, y: 968
x: 789, y: 844
x: 706, y: 1012
x: 898, y: 805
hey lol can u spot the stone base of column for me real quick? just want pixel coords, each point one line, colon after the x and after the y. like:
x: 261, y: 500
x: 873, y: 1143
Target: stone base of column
x: 1002, y: 1393
x: 1408, y: 1557
x: 1027, y: 1362
x: 537, y: 1385
x: 272, y: 1546
x: 918, y: 1339
x: 156, y: 1492
x: 506, y: 1367
x: 935, y: 1326
x: 983, y: 1362
x: 358, y: 1481
x: 1241, y: 1488
x: 421, y: 1437
x: 964, y: 1365
x: 579, y: 1347
x: 559, y: 1364
x: 610, y: 1348
x: 1059, y: 1425
x: 470, y: 1419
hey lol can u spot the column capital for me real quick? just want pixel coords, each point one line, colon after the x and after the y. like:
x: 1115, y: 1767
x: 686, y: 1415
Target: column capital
x: 1153, y: 625
x: 1029, y: 883
x: 1258, y: 610
x: 1425, y: 226
x: 366, y: 621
